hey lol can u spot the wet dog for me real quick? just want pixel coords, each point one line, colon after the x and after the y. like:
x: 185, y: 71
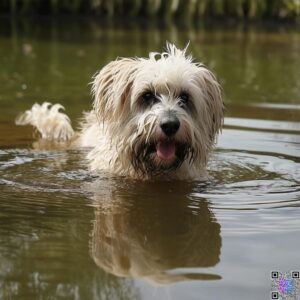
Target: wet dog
x: 155, y: 117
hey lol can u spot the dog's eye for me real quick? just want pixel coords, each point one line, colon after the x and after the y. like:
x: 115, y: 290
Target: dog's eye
x: 184, y: 98
x: 149, y: 97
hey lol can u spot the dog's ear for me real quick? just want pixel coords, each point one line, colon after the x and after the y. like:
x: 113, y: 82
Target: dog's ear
x: 213, y: 99
x: 112, y: 87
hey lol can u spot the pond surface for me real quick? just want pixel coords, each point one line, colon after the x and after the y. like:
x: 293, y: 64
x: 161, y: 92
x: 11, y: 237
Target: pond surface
x: 65, y: 234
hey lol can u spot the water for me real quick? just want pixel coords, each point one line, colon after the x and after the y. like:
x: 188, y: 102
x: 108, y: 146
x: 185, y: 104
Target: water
x: 65, y: 234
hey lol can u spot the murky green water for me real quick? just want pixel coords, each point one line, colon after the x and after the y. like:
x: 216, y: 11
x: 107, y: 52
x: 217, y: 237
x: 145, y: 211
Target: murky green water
x: 65, y: 234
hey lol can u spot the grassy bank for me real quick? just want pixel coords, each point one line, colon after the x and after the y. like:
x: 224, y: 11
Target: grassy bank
x: 242, y: 9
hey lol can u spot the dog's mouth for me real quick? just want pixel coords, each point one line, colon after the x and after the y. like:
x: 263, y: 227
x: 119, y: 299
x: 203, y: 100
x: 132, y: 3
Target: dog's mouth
x: 161, y: 156
x: 166, y: 150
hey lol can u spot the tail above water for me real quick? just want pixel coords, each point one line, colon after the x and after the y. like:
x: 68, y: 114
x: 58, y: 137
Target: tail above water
x: 52, y: 124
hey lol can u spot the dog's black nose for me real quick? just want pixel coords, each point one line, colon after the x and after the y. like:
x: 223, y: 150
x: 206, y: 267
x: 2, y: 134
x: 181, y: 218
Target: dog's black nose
x: 169, y: 125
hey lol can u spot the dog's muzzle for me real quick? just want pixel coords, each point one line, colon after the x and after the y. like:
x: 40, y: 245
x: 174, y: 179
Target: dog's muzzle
x: 164, y: 153
x: 166, y: 147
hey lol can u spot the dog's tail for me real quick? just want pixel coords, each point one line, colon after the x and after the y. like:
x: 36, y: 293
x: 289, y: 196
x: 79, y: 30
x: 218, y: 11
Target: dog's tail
x: 52, y: 124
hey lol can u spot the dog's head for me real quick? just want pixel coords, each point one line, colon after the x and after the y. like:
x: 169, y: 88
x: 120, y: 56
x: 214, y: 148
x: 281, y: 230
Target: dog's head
x: 160, y: 111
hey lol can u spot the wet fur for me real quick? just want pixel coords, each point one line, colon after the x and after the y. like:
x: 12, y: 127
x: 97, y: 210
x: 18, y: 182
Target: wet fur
x: 123, y: 130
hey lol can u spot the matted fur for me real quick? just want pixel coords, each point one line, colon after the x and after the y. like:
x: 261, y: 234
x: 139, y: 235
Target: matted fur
x: 124, y: 130
x: 50, y: 122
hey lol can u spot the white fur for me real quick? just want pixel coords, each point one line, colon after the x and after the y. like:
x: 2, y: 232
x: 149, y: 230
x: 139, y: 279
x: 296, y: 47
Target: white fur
x: 119, y: 125
x: 50, y: 122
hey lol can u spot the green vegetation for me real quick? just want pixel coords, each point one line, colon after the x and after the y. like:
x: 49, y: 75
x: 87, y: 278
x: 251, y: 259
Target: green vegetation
x: 242, y: 9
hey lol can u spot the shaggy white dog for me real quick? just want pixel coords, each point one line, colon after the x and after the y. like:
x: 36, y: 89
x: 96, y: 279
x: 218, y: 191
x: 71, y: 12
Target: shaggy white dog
x: 155, y: 117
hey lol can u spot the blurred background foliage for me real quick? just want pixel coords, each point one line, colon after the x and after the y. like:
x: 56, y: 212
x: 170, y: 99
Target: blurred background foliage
x: 236, y: 9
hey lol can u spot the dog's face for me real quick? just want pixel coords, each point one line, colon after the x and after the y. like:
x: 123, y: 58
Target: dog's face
x: 159, y: 111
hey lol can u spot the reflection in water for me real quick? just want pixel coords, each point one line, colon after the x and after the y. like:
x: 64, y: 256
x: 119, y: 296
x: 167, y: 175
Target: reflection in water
x: 153, y: 229
x: 162, y: 232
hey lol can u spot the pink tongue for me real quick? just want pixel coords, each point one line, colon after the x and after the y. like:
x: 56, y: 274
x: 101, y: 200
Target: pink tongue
x: 165, y: 150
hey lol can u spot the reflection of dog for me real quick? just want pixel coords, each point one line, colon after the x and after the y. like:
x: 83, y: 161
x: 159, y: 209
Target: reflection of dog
x: 150, y: 238
x: 155, y: 117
